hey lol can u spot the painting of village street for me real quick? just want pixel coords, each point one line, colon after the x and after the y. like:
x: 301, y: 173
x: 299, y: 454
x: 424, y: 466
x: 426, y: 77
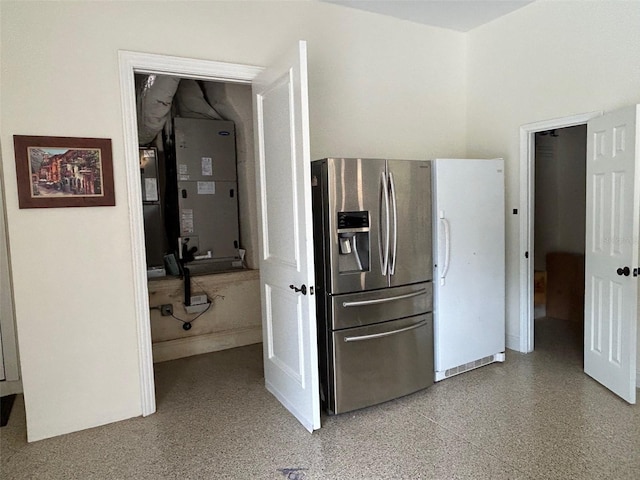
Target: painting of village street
x: 60, y: 172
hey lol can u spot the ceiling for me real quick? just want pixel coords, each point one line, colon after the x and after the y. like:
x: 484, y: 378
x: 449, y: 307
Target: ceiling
x: 460, y: 15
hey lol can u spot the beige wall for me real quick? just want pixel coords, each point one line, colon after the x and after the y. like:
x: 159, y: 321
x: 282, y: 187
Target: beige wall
x: 377, y: 86
x: 545, y: 61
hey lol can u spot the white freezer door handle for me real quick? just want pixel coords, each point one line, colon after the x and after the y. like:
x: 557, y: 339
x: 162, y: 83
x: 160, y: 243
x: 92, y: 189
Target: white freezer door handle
x: 446, y: 227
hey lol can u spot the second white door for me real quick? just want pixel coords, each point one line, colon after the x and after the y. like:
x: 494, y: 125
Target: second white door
x: 611, y: 260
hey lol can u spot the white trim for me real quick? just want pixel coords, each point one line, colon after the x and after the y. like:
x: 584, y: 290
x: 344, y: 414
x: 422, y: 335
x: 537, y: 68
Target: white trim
x: 513, y: 343
x: 8, y: 338
x: 131, y: 63
x: 189, y: 67
x: 136, y: 225
x: 527, y: 208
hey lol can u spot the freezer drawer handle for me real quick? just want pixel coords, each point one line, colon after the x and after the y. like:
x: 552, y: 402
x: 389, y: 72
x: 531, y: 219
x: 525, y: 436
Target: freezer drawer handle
x: 385, y: 334
x: 363, y: 303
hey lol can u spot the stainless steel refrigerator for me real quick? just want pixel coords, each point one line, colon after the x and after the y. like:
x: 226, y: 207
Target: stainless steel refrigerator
x: 373, y: 257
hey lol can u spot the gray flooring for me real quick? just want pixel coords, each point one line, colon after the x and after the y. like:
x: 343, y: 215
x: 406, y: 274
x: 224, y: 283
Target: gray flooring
x: 536, y: 416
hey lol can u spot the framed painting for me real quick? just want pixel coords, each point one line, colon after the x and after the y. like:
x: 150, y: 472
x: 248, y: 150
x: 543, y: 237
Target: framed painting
x: 63, y: 172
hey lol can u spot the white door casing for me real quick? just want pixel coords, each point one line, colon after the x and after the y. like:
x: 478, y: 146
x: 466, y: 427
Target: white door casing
x: 281, y: 121
x: 131, y: 63
x: 612, y: 236
x: 134, y: 62
x: 9, y: 368
x: 524, y: 341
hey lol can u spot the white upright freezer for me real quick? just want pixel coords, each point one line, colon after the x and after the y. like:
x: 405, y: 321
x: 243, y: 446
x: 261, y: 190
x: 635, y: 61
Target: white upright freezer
x: 469, y: 264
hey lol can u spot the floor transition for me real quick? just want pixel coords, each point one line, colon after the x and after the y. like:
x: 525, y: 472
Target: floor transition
x: 537, y: 416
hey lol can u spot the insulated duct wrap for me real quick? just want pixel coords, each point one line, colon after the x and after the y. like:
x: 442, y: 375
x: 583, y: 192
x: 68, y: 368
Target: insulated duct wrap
x: 154, y: 105
x: 157, y: 94
x: 191, y: 102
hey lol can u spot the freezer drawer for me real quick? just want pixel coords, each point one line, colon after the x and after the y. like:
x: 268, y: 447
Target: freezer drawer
x: 366, y: 308
x: 381, y: 362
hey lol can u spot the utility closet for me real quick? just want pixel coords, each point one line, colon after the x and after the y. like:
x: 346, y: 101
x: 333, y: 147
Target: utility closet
x: 198, y: 197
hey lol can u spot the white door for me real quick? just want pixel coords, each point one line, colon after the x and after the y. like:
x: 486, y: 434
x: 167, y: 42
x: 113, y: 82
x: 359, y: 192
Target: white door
x: 286, y: 241
x: 613, y: 226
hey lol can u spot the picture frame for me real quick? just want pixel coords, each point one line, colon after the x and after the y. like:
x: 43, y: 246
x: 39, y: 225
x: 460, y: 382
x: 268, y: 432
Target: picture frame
x: 63, y: 172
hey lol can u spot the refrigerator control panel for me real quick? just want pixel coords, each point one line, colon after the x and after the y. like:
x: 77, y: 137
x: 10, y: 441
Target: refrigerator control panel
x: 353, y: 220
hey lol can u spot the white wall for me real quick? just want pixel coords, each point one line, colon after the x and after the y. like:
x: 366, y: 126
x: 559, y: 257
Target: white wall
x: 378, y: 87
x: 544, y: 61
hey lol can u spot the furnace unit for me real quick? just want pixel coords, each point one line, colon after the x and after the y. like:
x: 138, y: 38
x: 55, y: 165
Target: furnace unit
x: 207, y: 194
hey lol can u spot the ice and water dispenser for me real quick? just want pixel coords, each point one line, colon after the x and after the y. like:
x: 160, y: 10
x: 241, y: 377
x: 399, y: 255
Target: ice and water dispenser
x: 353, y: 242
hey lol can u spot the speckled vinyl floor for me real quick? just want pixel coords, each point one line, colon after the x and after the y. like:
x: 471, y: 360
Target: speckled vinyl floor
x: 536, y: 416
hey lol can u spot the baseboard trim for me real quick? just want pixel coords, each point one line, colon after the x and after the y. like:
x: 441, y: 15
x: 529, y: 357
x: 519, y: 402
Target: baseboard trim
x: 513, y: 342
x: 212, y: 342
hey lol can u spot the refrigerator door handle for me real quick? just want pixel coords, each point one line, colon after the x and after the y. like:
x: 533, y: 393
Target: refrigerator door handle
x: 392, y: 259
x: 363, y: 303
x: 447, y: 247
x: 385, y: 334
x: 383, y: 249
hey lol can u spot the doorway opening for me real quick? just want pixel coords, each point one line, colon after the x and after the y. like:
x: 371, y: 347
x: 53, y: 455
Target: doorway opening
x: 132, y: 63
x: 528, y: 257
x: 559, y: 240
x: 200, y: 222
x: 197, y: 172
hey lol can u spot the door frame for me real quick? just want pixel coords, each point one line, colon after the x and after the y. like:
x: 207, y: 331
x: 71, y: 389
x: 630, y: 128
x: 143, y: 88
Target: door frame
x: 12, y: 382
x: 527, y: 217
x: 131, y: 63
